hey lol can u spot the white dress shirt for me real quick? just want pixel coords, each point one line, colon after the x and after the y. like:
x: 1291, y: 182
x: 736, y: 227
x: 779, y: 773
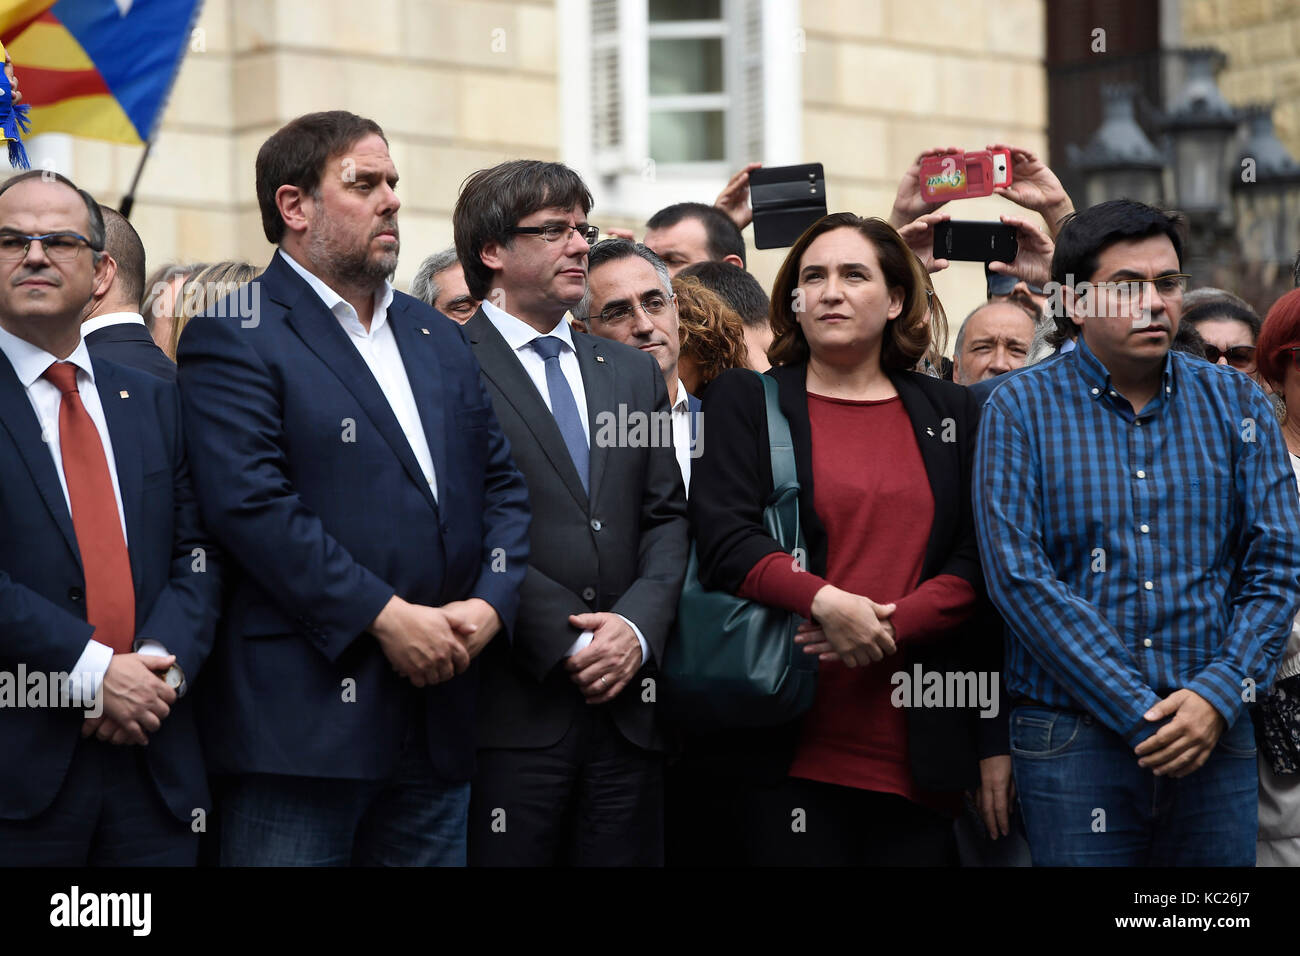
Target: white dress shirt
x: 29, y: 363
x: 519, y: 335
x: 378, y: 348
x: 681, y: 412
x: 110, y: 318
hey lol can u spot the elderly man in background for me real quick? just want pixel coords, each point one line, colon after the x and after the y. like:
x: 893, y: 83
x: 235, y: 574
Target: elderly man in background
x: 440, y: 281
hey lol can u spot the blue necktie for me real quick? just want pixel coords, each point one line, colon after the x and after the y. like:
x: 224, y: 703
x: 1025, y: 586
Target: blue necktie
x: 563, y: 407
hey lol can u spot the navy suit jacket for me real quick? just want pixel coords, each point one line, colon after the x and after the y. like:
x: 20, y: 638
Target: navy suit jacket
x: 43, y: 627
x: 306, y: 478
x: 130, y: 344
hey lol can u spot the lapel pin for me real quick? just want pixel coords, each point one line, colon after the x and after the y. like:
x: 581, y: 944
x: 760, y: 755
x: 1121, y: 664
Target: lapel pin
x: 600, y: 359
x: 929, y: 431
x: 425, y: 331
x: 124, y: 394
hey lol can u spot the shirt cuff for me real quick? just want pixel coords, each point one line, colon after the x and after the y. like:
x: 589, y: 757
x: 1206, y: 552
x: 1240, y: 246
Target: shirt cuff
x: 583, y: 640
x: 645, y: 648
x: 149, y: 648
x: 89, y: 670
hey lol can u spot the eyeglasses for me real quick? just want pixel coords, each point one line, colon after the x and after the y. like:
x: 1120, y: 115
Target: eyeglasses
x: 1295, y: 354
x: 652, y: 304
x: 59, y: 246
x: 1167, y: 286
x: 555, y: 231
x: 1239, y: 356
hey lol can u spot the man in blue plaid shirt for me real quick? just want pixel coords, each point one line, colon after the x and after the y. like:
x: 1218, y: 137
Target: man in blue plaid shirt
x: 1138, y: 524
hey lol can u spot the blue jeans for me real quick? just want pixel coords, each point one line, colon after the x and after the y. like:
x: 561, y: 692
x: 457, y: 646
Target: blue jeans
x: 1086, y: 802
x: 411, y: 819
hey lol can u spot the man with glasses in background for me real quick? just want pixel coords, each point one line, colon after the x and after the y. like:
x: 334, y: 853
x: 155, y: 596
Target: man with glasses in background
x: 570, y: 761
x: 630, y: 299
x: 1139, y: 530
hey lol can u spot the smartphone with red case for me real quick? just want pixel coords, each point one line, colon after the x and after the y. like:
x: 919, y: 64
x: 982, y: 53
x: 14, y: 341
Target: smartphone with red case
x: 964, y: 175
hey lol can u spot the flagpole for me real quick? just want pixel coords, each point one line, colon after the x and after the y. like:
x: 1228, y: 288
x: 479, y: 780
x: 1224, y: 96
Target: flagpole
x: 128, y: 201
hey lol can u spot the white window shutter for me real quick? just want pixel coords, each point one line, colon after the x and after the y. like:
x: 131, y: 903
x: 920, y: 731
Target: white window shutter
x: 607, y: 127
x: 750, y: 132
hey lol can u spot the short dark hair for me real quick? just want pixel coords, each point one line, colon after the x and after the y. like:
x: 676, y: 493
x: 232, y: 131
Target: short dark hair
x: 612, y: 250
x: 1085, y: 234
x: 906, y: 338
x: 492, y: 201
x: 738, y: 289
x: 296, y: 154
x: 1188, y: 339
x: 724, y: 239
x: 96, y: 236
x: 123, y: 243
x: 1295, y: 269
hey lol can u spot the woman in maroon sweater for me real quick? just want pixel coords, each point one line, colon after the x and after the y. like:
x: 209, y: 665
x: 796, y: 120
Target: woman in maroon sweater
x: 868, y: 775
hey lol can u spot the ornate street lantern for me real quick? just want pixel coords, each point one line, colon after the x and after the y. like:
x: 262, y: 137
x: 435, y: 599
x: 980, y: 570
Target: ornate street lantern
x: 1119, y: 161
x: 1267, y: 192
x: 1200, y: 126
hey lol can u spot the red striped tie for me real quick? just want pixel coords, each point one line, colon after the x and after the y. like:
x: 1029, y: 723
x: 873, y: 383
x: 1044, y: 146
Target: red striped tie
x: 110, y: 596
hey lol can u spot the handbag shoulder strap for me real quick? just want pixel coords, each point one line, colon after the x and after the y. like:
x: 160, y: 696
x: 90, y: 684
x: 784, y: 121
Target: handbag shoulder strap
x: 778, y: 433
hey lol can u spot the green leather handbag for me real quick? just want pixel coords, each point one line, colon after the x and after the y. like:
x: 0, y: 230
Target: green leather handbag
x: 733, y: 663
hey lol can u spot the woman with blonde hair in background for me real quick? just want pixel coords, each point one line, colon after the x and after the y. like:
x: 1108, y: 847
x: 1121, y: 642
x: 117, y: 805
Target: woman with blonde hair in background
x: 204, y: 289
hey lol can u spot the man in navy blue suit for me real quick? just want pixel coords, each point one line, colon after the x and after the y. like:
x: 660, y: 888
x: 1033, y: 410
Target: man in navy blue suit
x: 113, y: 326
x: 348, y: 458
x: 106, y: 578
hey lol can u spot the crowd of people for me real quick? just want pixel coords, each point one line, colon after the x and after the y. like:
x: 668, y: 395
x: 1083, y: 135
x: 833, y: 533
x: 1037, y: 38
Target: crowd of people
x: 344, y: 582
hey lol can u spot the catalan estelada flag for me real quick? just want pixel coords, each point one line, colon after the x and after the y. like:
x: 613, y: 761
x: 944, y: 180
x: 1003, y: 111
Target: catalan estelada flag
x: 96, y: 68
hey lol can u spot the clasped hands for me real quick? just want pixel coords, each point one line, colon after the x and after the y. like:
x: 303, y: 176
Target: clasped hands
x: 430, y: 645
x: 603, y: 668
x: 849, y: 628
x: 135, y: 699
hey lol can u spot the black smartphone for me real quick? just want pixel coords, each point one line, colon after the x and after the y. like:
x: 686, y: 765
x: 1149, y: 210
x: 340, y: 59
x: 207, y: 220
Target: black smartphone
x: 786, y: 201
x: 975, y: 241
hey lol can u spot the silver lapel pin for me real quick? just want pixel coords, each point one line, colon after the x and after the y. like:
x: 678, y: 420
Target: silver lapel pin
x: 124, y: 394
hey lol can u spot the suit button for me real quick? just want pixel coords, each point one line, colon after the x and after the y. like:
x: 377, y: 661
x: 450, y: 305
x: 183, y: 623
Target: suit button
x: 589, y: 594
x: 595, y: 525
x: 76, y: 594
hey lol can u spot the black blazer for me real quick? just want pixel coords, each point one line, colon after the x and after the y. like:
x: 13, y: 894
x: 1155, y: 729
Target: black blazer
x: 621, y: 549
x: 730, y: 484
x: 131, y: 344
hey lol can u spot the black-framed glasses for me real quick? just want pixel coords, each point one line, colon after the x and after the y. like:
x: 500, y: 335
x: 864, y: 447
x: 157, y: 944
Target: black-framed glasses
x: 652, y: 304
x: 59, y: 246
x: 1295, y: 354
x: 555, y: 231
x: 1239, y: 356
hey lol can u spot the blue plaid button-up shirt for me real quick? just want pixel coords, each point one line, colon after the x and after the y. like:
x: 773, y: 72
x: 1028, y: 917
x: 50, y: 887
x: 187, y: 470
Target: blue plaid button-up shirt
x: 1134, y: 555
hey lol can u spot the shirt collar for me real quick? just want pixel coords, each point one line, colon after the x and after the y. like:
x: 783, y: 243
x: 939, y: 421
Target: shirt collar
x: 683, y: 401
x: 1097, y: 377
x: 336, y: 303
x: 110, y: 318
x: 30, y: 361
x: 518, y: 333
